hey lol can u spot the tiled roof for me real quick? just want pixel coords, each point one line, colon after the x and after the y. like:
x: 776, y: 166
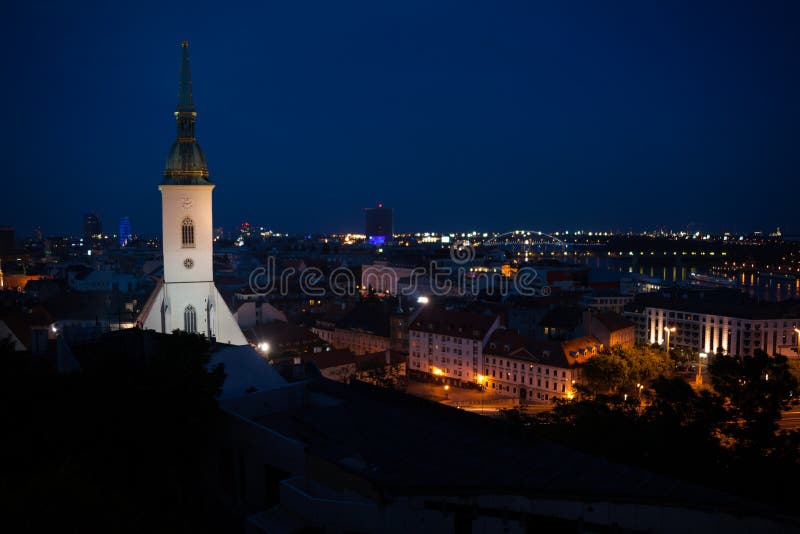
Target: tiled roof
x: 279, y: 333
x: 612, y: 321
x: 562, y: 317
x: 330, y: 358
x: 372, y: 317
x: 456, y: 323
x: 557, y: 353
x: 724, y: 302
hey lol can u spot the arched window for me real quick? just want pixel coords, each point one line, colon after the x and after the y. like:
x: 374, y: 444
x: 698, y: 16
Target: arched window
x: 187, y: 233
x: 189, y: 319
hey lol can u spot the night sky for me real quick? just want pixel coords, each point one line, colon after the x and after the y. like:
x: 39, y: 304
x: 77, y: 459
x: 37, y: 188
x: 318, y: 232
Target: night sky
x: 460, y: 115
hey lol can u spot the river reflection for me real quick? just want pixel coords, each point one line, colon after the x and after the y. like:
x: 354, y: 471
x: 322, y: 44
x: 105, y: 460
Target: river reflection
x: 762, y: 287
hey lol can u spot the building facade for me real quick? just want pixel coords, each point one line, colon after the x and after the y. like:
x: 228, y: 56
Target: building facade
x: 703, y: 323
x: 378, y: 224
x: 535, y: 370
x: 447, y: 345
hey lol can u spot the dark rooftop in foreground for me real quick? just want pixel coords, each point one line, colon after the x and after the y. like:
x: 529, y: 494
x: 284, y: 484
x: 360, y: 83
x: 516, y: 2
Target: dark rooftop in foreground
x: 386, y: 438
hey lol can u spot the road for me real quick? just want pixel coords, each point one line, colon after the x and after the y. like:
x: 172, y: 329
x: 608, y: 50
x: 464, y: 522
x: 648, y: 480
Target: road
x: 484, y: 403
x: 472, y: 400
x: 790, y: 419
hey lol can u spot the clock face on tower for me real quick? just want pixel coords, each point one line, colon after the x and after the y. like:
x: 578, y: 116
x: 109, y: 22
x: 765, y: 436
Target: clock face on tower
x: 186, y: 203
x: 188, y: 263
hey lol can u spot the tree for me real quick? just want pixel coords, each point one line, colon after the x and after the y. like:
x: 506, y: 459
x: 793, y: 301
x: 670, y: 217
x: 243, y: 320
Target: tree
x: 757, y: 389
x: 620, y: 368
x: 605, y: 373
x: 120, y: 445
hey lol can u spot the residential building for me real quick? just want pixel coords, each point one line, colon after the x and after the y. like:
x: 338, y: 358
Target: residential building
x: 447, y: 345
x: 364, y: 329
x: 612, y: 329
x: 607, y: 300
x: 338, y: 365
x: 282, y: 337
x: 535, y: 370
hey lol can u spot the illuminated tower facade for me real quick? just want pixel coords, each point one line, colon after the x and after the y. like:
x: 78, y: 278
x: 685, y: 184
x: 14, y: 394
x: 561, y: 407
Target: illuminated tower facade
x: 187, y: 299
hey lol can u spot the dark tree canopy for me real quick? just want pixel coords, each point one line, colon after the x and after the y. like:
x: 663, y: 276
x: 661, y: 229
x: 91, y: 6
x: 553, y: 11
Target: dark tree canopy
x: 118, y: 446
x: 726, y: 436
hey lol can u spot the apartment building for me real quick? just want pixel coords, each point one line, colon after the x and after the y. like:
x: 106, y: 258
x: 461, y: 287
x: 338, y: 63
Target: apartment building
x: 535, y: 370
x: 447, y: 345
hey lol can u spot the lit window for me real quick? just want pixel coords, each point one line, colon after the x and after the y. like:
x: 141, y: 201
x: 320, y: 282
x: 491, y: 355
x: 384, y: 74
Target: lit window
x: 187, y: 233
x: 190, y: 319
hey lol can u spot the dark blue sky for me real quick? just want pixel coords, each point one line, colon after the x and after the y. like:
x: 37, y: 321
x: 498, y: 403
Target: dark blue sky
x: 460, y: 115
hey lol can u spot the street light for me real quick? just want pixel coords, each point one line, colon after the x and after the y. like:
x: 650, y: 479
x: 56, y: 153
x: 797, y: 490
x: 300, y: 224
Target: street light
x: 668, y: 329
x: 699, y: 379
x: 797, y: 330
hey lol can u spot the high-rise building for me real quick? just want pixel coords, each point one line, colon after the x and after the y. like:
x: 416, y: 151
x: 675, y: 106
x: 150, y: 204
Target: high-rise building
x: 91, y: 226
x: 186, y: 298
x: 6, y: 240
x: 378, y: 224
x: 125, y: 231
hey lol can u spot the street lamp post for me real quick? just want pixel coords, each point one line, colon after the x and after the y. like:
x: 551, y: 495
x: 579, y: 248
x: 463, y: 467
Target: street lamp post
x: 668, y: 330
x: 699, y: 378
x: 797, y: 331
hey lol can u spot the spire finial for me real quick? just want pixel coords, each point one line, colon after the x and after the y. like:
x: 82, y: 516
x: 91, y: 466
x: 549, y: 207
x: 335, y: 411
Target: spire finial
x: 185, y: 101
x: 186, y: 164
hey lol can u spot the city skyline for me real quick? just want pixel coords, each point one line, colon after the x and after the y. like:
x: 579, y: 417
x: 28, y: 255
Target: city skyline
x: 552, y: 236
x: 492, y: 118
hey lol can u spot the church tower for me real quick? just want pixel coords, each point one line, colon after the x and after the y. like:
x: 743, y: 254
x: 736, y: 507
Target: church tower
x: 186, y: 298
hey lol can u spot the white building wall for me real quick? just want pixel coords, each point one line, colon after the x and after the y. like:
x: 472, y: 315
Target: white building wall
x: 709, y: 333
x: 177, y: 203
x: 448, y: 357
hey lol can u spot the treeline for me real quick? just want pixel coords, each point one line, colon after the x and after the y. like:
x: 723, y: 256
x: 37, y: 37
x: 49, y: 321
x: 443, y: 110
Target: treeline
x: 725, y: 436
x: 119, y: 447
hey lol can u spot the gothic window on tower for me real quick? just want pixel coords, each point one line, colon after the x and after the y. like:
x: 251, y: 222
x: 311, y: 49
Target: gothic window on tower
x: 187, y: 233
x: 189, y: 319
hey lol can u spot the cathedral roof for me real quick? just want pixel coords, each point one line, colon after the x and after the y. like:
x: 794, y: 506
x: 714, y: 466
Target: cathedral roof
x: 186, y: 163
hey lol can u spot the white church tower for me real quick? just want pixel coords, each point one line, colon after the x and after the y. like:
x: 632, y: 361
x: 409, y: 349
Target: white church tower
x: 186, y: 298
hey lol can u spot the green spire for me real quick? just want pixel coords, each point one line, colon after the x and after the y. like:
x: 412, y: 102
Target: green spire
x: 185, y: 102
x: 186, y: 163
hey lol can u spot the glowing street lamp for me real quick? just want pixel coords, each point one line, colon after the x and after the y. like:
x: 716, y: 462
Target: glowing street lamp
x: 668, y: 330
x: 797, y: 331
x: 263, y: 347
x: 699, y: 379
